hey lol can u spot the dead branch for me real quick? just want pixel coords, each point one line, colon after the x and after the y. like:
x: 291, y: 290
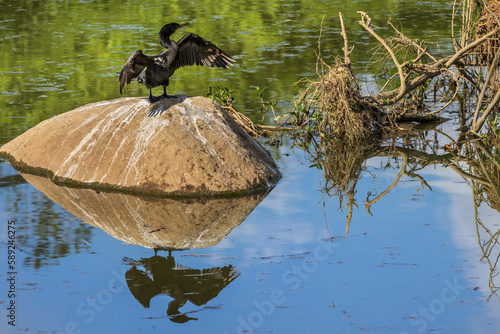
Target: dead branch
x: 346, y: 50
x: 476, y: 125
x: 246, y: 123
x: 435, y: 69
x: 410, y: 41
x: 366, y: 23
x: 466, y: 49
x: 428, y: 71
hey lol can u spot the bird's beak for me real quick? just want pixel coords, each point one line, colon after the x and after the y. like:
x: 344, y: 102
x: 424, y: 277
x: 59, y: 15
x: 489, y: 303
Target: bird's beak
x: 182, y: 25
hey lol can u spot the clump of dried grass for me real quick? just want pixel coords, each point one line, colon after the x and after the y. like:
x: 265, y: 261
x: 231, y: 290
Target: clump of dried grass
x: 489, y: 21
x: 333, y: 103
x: 338, y: 102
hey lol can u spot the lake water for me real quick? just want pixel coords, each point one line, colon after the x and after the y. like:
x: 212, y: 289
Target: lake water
x: 421, y: 259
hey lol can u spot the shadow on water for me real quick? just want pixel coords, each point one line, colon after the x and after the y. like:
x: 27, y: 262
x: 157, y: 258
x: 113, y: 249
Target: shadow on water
x: 183, y: 284
x: 477, y: 162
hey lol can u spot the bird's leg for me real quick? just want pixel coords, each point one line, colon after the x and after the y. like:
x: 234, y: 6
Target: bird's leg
x: 165, y: 95
x: 152, y: 98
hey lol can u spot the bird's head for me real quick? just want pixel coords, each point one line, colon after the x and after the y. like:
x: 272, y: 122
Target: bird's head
x: 167, y: 30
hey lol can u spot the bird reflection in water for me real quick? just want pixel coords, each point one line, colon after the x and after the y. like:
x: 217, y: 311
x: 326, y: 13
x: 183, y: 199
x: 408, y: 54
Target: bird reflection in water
x: 163, y: 276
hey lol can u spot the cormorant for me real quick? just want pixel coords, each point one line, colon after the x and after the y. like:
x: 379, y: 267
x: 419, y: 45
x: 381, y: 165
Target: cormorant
x: 191, y: 49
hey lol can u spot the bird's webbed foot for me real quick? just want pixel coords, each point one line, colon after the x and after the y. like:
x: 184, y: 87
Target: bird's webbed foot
x: 154, y: 99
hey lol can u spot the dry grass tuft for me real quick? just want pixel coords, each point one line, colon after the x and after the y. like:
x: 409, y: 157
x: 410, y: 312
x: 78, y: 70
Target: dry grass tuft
x: 485, y: 52
x: 489, y: 21
x: 334, y: 103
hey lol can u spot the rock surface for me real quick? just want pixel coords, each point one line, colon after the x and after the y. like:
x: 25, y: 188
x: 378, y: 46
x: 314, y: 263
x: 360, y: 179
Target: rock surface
x: 178, y: 146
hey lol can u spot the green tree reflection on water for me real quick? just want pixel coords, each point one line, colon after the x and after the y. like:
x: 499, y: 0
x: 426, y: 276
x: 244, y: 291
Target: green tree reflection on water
x: 44, y: 233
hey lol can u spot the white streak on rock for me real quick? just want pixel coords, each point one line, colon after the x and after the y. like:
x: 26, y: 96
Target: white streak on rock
x: 150, y: 128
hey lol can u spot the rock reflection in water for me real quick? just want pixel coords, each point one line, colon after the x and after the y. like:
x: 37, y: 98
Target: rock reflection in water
x: 183, y: 284
x: 162, y: 224
x: 150, y: 221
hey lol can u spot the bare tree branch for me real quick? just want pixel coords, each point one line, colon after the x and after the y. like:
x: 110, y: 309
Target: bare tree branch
x: 346, y: 50
x: 365, y: 23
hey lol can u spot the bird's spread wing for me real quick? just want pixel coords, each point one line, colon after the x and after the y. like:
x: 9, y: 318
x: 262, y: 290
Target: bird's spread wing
x: 194, y: 50
x: 133, y: 67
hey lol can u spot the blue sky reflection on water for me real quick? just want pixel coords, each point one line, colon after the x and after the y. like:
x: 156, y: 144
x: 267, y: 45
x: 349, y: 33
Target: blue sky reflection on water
x: 414, y: 265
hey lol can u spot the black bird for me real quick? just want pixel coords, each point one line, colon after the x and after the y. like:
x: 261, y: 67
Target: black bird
x: 189, y: 50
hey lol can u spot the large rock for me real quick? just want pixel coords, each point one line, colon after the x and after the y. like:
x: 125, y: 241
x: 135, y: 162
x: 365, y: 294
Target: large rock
x: 177, y: 146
